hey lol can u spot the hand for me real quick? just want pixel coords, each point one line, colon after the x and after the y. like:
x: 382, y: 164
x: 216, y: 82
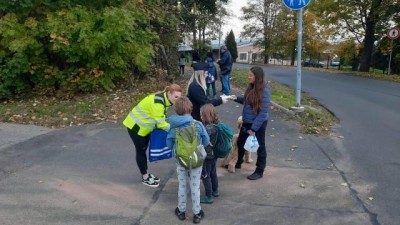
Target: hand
x: 224, y: 100
x: 233, y: 97
x: 251, y: 133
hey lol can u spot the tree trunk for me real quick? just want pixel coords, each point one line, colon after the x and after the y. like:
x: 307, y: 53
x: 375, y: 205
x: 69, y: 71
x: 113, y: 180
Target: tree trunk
x: 366, y: 54
x: 369, y: 39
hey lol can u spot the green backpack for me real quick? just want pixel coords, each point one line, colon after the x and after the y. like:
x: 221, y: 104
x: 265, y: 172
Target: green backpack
x: 189, y: 152
x: 223, y: 144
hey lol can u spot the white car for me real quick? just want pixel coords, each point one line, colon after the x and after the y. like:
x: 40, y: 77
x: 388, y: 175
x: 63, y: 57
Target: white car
x: 333, y: 63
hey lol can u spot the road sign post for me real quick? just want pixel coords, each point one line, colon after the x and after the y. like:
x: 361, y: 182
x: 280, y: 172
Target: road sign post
x: 393, y: 33
x: 298, y: 5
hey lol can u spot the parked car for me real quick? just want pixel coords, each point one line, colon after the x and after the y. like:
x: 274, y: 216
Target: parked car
x: 313, y: 64
x: 335, y: 63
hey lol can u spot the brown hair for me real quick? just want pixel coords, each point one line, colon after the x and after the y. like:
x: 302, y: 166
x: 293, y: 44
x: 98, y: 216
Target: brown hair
x: 172, y: 88
x: 255, y: 91
x: 209, y: 114
x: 183, y: 106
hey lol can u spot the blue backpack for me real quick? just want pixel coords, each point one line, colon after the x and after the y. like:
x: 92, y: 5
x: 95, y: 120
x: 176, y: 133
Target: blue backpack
x: 223, y: 144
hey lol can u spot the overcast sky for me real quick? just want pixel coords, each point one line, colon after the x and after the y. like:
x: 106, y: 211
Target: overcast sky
x: 234, y: 22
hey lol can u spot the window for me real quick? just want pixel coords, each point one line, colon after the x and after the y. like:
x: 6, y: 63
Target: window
x: 243, y: 56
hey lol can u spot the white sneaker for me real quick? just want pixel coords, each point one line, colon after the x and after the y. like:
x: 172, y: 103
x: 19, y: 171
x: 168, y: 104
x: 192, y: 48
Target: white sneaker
x: 156, y: 179
x: 150, y: 182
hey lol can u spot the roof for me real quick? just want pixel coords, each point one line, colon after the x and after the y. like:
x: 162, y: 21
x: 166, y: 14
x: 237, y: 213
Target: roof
x: 216, y: 44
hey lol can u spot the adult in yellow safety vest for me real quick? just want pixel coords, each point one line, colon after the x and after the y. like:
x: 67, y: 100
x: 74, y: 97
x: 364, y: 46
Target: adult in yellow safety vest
x: 143, y: 118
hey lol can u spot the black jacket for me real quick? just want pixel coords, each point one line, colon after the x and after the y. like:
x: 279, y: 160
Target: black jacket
x: 198, y: 97
x: 212, y: 131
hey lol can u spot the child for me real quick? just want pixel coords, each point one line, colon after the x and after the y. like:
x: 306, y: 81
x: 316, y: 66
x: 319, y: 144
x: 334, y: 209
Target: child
x: 209, y: 116
x: 212, y: 75
x: 229, y: 162
x: 183, y: 107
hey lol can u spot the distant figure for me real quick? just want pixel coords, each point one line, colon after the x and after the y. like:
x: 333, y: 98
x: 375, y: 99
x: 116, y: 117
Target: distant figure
x: 225, y: 63
x: 195, y: 57
x: 212, y: 75
x: 182, y: 64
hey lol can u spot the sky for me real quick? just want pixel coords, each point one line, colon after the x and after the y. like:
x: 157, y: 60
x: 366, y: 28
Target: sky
x: 234, y: 22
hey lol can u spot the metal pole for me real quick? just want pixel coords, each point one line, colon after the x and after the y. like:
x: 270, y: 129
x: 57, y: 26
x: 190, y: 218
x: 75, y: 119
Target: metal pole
x: 299, y: 50
x: 390, y: 58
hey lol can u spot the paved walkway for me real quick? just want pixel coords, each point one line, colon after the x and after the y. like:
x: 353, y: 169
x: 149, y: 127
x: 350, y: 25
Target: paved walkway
x: 88, y: 175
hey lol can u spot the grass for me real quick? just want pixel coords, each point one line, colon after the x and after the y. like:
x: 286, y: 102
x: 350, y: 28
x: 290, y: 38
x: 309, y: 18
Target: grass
x: 56, y: 112
x: 80, y: 109
x: 314, y: 120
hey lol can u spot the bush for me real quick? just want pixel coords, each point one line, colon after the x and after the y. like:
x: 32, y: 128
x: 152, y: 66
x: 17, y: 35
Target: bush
x: 73, y: 49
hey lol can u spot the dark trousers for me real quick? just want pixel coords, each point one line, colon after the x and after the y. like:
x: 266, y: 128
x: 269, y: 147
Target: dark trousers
x: 211, y: 180
x: 141, y: 143
x: 214, y: 91
x: 261, y: 152
x: 182, y: 69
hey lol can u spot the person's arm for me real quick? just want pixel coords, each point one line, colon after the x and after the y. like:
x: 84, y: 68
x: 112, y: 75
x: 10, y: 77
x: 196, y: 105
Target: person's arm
x: 262, y: 116
x: 223, y: 60
x: 199, y: 97
x: 158, y: 115
x: 171, y: 139
x: 238, y: 99
x: 205, y: 139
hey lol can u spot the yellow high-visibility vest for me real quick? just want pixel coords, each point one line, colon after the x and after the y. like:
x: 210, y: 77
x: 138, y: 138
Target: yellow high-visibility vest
x: 149, y: 114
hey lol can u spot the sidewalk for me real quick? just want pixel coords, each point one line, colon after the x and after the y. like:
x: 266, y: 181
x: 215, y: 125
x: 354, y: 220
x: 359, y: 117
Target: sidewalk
x: 88, y: 175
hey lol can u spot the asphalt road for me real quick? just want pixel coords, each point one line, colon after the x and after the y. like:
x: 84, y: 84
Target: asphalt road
x: 368, y: 155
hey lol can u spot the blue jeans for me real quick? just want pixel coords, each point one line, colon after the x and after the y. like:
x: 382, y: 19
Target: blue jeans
x: 226, y: 86
x: 211, y: 180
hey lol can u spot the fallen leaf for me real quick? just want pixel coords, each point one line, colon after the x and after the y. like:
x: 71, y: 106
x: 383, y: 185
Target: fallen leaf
x: 371, y: 198
x: 289, y: 159
x: 344, y: 184
x: 302, y: 185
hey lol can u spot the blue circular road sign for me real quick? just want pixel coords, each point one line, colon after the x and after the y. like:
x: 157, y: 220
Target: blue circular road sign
x: 296, y: 4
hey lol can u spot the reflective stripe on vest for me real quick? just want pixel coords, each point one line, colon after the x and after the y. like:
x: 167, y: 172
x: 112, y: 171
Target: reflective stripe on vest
x: 138, y: 121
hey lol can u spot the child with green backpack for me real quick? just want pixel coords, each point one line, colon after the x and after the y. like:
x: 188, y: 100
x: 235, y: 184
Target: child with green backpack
x: 187, y: 138
x: 209, y: 116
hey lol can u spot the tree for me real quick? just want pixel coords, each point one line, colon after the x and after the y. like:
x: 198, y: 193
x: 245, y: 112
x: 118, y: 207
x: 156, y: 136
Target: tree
x: 230, y: 43
x: 359, y: 19
x: 260, y: 17
x: 75, y: 46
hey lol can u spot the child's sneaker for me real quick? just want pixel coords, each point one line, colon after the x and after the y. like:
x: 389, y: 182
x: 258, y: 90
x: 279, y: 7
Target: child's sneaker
x: 207, y: 199
x: 197, y: 217
x: 179, y: 214
x: 150, y: 182
x: 156, y: 179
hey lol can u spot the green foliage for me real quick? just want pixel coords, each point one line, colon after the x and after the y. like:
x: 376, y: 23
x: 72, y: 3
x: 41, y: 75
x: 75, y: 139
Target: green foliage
x: 81, y: 47
x: 231, y: 45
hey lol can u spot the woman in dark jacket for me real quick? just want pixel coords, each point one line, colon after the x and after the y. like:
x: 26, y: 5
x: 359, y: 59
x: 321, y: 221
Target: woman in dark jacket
x: 197, y: 90
x: 255, y: 102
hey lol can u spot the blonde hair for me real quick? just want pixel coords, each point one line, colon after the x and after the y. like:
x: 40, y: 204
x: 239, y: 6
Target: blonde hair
x: 209, y: 114
x: 198, y: 77
x: 183, y: 106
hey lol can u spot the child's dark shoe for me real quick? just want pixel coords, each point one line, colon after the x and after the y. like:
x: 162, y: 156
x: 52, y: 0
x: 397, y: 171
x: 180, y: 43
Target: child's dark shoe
x: 179, y: 214
x: 207, y: 199
x: 197, y: 217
